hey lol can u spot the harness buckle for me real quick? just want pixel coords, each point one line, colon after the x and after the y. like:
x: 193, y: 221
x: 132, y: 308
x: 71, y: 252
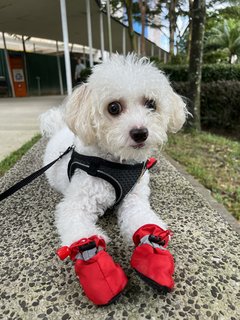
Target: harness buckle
x: 150, y: 163
x: 61, y: 154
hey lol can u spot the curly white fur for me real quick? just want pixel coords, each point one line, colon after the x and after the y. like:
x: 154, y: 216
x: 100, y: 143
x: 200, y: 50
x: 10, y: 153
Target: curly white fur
x: 94, y: 131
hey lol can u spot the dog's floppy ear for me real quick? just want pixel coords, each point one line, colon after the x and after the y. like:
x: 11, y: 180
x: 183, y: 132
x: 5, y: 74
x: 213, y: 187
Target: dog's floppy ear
x: 178, y: 113
x: 78, y: 114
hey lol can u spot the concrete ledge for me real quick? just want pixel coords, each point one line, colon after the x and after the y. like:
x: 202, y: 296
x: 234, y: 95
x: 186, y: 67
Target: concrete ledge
x: 36, y: 285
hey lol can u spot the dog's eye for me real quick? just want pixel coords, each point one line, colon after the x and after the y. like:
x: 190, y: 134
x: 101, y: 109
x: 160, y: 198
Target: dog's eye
x: 150, y: 104
x: 114, y: 108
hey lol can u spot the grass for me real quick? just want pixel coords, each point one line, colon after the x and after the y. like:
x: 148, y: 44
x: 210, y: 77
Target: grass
x: 214, y: 161
x: 10, y: 160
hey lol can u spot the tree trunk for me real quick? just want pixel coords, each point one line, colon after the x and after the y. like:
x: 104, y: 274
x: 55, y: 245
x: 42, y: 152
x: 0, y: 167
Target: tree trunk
x: 142, y: 7
x: 190, y: 29
x: 172, y: 25
x: 195, y: 63
x: 128, y: 5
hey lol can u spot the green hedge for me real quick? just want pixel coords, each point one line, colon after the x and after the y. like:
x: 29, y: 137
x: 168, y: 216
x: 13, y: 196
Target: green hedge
x: 210, y: 72
x: 220, y: 107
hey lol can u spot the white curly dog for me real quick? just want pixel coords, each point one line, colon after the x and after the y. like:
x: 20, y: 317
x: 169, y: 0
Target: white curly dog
x: 121, y: 114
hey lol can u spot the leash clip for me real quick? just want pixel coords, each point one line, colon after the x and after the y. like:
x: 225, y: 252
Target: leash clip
x: 61, y: 154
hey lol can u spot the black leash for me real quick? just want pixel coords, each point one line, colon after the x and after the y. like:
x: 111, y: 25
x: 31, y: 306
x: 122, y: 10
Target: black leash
x: 19, y: 185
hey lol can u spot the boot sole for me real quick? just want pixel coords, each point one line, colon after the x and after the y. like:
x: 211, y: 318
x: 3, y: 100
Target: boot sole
x: 114, y: 299
x: 153, y: 284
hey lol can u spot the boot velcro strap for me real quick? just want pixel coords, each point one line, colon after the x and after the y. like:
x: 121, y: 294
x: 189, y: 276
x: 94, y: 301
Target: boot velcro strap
x: 88, y: 250
x: 87, y: 246
x: 156, y: 239
x: 148, y: 239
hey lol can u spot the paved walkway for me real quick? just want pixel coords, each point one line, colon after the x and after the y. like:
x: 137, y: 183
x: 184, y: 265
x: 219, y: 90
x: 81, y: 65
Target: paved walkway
x: 35, y: 284
x: 19, y: 120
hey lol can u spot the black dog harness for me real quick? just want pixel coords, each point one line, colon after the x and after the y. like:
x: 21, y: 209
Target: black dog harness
x: 123, y: 177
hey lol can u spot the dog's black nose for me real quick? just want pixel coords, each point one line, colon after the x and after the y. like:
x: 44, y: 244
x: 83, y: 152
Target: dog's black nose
x: 139, y: 135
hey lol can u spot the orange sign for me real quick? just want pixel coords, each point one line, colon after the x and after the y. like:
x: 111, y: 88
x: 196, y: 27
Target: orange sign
x: 17, y: 69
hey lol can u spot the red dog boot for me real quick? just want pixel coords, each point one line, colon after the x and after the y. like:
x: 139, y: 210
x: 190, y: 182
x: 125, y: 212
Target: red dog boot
x: 101, y: 278
x: 151, y: 260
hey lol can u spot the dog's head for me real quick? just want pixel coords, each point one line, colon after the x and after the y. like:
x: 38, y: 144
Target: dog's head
x: 126, y: 108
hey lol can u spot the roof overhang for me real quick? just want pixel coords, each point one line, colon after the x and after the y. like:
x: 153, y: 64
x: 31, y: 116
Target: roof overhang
x: 42, y: 19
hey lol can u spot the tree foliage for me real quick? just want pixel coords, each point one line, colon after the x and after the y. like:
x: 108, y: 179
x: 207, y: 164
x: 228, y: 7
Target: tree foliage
x: 225, y: 37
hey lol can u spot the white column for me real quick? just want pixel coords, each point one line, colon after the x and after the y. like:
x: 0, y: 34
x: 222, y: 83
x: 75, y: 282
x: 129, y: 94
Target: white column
x: 84, y: 56
x: 8, y: 66
x: 152, y: 50
x: 165, y: 57
x: 89, y: 29
x: 124, y: 41
x: 102, y: 35
x: 159, y: 53
x: 139, y: 45
x: 25, y: 64
x: 66, y: 49
x: 109, y: 28
x: 59, y: 70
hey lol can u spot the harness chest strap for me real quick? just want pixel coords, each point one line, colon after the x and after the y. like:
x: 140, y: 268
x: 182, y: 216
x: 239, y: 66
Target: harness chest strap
x: 123, y: 177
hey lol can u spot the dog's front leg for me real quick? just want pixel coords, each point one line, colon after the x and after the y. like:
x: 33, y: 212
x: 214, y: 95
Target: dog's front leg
x: 77, y: 214
x: 135, y: 211
x: 85, y: 199
x: 137, y: 221
x: 76, y: 219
